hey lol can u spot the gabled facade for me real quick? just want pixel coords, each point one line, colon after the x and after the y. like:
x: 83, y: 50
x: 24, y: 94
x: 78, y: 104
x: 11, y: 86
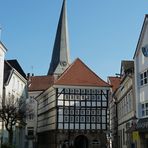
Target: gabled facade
x: 123, y: 106
x: 15, y: 84
x: 141, y: 83
x: 36, y: 85
x: 126, y: 109
x: 114, y: 81
x: 73, y: 111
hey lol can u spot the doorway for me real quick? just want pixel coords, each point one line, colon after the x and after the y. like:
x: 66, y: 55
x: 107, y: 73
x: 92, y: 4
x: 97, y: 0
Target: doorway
x: 81, y: 141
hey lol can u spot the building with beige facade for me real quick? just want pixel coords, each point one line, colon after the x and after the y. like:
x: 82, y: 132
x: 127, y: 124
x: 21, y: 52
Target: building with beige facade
x: 123, y: 107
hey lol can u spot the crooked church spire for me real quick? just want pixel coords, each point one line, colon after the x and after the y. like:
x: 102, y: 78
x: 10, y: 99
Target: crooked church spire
x: 60, y: 56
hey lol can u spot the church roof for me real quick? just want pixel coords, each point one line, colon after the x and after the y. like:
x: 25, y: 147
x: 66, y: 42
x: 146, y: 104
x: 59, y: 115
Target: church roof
x: 61, y: 44
x: 40, y: 83
x: 78, y: 74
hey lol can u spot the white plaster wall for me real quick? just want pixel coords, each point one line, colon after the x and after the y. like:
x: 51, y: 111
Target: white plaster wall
x: 2, y: 55
x: 33, y: 122
x: 141, y: 64
x: 16, y: 87
x: 46, y: 101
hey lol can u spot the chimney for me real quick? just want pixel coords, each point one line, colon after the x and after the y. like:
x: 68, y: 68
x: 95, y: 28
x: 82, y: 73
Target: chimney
x: 28, y: 75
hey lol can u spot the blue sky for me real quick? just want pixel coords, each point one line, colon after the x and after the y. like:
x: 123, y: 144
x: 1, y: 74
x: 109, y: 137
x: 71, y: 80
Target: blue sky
x: 101, y: 32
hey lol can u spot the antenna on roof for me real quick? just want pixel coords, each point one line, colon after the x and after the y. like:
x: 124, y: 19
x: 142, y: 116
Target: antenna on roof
x: 32, y: 70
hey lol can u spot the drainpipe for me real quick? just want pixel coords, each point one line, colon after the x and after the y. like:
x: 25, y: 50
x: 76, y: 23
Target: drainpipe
x: 116, y: 120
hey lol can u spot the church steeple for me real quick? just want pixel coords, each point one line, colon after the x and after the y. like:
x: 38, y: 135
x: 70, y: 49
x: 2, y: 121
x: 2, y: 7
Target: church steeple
x: 60, y: 56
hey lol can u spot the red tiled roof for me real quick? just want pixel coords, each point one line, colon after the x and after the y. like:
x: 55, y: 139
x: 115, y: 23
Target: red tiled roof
x: 78, y: 74
x: 115, y: 82
x: 40, y: 83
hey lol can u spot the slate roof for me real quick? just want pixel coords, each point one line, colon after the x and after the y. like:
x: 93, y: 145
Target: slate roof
x: 7, y: 71
x: 114, y: 82
x: 9, y: 66
x: 61, y: 44
x: 141, y: 34
x: 78, y: 74
x: 14, y: 63
x: 40, y: 83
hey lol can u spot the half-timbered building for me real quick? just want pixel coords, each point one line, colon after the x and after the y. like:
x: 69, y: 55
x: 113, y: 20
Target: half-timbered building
x: 72, y: 111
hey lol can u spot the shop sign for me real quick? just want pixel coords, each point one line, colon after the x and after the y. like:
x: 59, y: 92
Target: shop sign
x: 136, y: 136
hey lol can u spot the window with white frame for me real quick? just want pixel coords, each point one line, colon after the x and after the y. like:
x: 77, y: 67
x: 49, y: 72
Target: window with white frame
x: 144, y: 109
x: 144, y: 78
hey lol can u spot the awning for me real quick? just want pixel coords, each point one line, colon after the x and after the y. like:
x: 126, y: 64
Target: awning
x: 142, y: 125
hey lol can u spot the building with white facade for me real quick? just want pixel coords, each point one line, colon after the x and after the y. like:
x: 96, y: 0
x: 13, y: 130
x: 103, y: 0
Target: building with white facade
x: 15, y: 87
x: 2, y: 57
x: 141, y: 84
